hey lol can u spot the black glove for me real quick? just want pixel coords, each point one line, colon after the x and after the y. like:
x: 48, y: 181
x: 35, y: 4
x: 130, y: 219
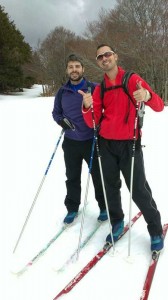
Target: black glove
x: 66, y: 124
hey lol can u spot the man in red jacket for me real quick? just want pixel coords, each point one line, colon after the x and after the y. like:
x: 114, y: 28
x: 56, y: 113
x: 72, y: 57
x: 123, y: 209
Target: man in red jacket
x: 116, y: 114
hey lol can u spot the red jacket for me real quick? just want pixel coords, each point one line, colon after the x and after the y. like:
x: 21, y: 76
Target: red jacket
x: 118, y: 107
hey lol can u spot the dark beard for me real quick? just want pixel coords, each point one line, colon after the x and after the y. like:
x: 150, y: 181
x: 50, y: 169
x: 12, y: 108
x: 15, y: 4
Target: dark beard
x: 77, y: 78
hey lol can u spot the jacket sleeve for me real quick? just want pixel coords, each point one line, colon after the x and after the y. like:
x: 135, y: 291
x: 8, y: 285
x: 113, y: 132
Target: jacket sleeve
x: 155, y: 103
x: 57, y: 112
x: 88, y: 114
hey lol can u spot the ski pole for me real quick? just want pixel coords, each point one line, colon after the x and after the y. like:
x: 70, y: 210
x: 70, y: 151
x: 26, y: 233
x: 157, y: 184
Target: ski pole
x: 85, y: 199
x: 132, y: 175
x: 38, y: 191
x: 102, y: 177
x: 87, y: 188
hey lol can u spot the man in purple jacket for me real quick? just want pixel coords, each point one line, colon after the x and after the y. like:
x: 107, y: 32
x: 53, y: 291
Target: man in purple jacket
x: 78, y: 139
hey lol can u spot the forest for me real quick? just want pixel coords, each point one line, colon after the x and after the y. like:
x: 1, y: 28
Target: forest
x: 137, y: 29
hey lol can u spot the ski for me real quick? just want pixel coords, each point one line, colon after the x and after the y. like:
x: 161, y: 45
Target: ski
x: 151, y: 269
x: 41, y: 252
x: 94, y: 261
x: 83, y: 244
x: 44, y: 249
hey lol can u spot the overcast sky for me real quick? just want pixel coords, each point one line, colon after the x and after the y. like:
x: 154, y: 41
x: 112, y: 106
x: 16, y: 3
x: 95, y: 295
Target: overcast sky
x: 36, y: 18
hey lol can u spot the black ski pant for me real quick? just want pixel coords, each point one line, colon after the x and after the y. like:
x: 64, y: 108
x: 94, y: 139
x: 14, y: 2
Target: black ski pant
x: 74, y: 154
x: 116, y: 157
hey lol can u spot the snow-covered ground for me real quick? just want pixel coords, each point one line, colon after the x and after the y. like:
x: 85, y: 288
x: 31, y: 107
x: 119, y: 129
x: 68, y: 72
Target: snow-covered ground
x: 28, y: 136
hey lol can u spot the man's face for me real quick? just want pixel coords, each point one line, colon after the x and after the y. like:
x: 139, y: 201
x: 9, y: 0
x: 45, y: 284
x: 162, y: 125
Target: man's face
x: 106, y: 58
x: 75, y: 71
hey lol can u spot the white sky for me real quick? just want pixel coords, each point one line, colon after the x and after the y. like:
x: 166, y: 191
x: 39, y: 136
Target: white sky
x: 28, y: 137
x: 36, y: 18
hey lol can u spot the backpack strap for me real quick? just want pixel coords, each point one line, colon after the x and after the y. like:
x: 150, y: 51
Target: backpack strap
x: 141, y: 110
x: 104, y: 89
x: 124, y: 84
x: 125, y: 80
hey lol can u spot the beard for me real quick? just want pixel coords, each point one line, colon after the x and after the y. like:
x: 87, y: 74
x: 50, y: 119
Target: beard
x: 75, y: 77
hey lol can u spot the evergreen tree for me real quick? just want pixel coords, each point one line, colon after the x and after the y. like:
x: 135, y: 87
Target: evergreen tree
x: 14, y: 52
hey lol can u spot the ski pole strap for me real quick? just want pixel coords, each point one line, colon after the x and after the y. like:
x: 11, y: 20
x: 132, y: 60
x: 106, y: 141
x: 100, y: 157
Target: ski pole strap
x: 93, y: 118
x: 141, y: 112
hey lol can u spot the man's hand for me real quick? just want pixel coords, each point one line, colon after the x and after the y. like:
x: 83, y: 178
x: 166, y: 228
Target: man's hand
x: 87, y: 99
x: 66, y: 124
x: 141, y: 94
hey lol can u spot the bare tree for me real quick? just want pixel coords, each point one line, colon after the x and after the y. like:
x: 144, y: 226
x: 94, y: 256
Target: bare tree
x: 52, y: 54
x: 139, y: 31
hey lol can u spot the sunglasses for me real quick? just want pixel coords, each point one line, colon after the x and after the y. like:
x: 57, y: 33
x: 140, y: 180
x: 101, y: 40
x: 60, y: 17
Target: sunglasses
x: 105, y: 54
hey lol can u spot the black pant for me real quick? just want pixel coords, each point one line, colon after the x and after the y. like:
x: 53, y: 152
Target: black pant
x: 117, y: 156
x: 74, y: 154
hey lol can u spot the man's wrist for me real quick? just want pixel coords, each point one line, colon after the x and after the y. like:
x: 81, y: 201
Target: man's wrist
x: 147, y: 96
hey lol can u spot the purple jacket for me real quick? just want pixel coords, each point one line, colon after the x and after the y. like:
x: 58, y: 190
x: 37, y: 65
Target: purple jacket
x: 70, y: 107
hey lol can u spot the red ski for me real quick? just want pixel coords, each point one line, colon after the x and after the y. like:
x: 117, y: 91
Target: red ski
x: 94, y: 261
x: 151, y: 270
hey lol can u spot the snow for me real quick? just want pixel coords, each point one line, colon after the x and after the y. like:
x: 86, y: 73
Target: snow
x: 28, y: 137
